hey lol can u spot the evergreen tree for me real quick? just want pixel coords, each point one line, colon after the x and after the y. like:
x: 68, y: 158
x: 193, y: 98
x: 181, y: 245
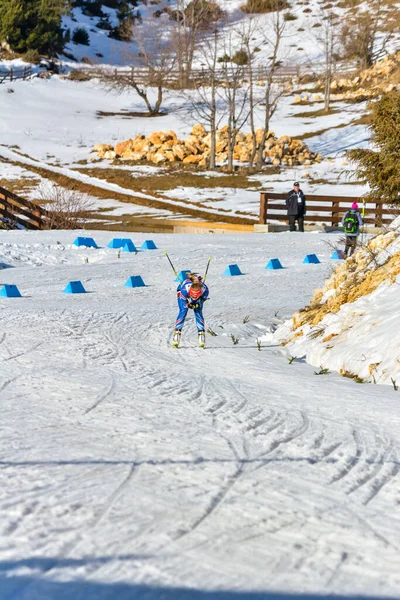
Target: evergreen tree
x: 380, y: 168
x: 33, y: 24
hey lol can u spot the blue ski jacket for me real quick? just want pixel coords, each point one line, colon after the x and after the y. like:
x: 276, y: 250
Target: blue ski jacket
x: 183, y: 291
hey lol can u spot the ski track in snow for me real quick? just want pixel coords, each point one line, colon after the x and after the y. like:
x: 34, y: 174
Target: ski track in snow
x: 124, y: 459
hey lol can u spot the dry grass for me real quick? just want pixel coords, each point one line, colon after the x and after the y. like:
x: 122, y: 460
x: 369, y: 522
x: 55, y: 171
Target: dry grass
x: 350, y: 282
x: 316, y: 113
x: 170, y: 180
x: 129, y: 222
x: 21, y: 186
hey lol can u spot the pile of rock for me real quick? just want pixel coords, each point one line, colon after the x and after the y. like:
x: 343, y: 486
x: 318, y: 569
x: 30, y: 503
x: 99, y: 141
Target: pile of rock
x: 382, y: 77
x: 162, y: 147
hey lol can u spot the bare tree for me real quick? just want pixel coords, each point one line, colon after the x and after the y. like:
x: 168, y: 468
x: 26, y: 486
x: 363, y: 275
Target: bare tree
x: 203, y: 102
x: 367, y: 32
x: 151, y: 69
x: 66, y: 209
x: 328, y: 40
x: 193, y: 18
x: 234, y: 92
x: 273, y: 90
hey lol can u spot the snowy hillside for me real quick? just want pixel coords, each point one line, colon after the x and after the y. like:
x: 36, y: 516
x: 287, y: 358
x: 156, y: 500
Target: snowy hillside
x: 299, y: 47
x: 352, y: 324
x: 130, y: 470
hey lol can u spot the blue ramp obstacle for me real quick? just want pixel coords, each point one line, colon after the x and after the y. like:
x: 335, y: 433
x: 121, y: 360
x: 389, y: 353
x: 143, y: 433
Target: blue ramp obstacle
x: 182, y: 275
x: 274, y: 264
x: 337, y: 255
x: 74, y: 287
x: 311, y: 259
x: 85, y: 241
x: 119, y: 242
x: 134, y: 282
x: 148, y: 245
x: 129, y: 246
x: 10, y: 291
x: 232, y: 271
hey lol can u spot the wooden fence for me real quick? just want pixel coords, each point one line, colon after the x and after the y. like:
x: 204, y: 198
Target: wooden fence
x: 15, y: 210
x: 323, y: 209
x: 203, y: 76
x: 15, y: 74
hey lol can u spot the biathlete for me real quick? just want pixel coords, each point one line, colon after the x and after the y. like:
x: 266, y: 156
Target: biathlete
x: 191, y: 294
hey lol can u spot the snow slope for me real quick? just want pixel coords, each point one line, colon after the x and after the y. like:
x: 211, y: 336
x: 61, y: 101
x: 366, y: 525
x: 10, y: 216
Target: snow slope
x: 353, y: 323
x: 131, y: 470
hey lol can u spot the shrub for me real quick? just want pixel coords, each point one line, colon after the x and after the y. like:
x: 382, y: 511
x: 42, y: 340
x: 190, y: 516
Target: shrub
x: 289, y: 16
x: 81, y: 36
x: 380, y: 166
x: 104, y: 24
x: 77, y: 75
x: 93, y: 9
x: 123, y: 31
x: 32, y: 56
x: 240, y: 57
x: 225, y: 58
x: 264, y: 6
x: 203, y: 13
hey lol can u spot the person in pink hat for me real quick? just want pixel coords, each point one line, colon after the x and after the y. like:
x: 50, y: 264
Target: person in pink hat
x: 352, y: 222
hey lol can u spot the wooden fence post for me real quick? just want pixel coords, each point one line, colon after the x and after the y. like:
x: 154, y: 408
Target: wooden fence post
x: 335, y: 214
x: 378, y: 213
x: 263, y: 208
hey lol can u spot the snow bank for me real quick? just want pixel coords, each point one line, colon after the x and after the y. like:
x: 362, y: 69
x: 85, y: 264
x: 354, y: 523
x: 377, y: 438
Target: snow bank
x: 351, y: 325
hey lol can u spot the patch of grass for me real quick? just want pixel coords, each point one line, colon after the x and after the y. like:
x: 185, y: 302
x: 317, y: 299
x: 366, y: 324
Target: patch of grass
x: 316, y: 113
x: 128, y: 114
x: 169, y: 180
x: 131, y: 222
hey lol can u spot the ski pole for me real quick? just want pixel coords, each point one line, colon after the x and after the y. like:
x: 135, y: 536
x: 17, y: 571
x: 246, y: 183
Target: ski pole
x: 208, y: 266
x: 170, y: 262
x: 363, y: 218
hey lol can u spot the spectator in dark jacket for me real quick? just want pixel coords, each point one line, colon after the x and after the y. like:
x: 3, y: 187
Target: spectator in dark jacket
x: 296, y: 207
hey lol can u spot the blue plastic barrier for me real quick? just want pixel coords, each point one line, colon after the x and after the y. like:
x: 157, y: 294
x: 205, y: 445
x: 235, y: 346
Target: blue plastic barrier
x: 135, y: 281
x: 148, y: 245
x: 10, y: 291
x: 129, y: 246
x: 182, y: 275
x: 311, y: 259
x: 274, y: 264
x: 85, y: 241
x: 74, y: 287
x: 232, y: 271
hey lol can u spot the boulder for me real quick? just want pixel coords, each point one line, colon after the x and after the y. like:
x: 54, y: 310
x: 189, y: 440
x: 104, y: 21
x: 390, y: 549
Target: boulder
x: 192, y: 159
x: 158, y: 157
x: 109, y: 155
x: 180, y: 151
x: 122, y: 147
x: 199, y: 130
x: 156, y: 139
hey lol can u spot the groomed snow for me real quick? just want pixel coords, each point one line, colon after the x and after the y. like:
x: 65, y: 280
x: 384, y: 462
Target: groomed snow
x: 131, y: 470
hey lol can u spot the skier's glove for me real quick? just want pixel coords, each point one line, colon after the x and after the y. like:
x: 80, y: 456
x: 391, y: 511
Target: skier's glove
x: 193, y: 305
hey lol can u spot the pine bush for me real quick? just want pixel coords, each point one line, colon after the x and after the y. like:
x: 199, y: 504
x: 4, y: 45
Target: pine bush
x: 380, y: 168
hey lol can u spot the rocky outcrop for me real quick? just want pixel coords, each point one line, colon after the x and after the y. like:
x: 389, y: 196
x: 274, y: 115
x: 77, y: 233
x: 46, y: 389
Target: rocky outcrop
x: 163, y: 147
x: 382, y: 77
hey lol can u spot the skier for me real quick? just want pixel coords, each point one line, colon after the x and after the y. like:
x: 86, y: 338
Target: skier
x: 191, y: 293
x: 352, y: 221
x: 296, y: 207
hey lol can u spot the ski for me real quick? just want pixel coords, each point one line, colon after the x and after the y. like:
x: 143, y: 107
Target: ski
x: 177, y: 339
x: 202, y: 339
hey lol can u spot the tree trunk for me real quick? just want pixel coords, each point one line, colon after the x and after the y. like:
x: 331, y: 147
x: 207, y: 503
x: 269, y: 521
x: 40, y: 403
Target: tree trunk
x: 157, y: 106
